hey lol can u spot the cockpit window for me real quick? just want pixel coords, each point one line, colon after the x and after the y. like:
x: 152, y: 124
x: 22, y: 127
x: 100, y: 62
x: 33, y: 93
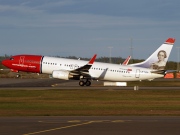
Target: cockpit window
x: 11, y: 58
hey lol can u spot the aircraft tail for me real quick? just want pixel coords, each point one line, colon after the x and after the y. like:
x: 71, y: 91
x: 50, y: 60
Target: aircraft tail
x: 158, y: 59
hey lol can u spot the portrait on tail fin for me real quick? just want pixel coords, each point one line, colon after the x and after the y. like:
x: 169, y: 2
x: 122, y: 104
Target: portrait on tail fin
x: 161, y: 63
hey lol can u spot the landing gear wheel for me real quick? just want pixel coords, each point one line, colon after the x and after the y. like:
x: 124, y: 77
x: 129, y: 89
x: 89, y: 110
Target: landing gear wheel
x: 81, y: 83
x: 88, y: 83
x: 18, y: 75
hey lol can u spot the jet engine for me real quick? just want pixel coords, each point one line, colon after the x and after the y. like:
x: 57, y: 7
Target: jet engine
x: 64, y: 75
x: 61, y: 74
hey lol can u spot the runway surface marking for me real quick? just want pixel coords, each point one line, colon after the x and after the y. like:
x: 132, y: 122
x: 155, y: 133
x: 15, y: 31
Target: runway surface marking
x: 75, y: 125
x: 53, y: 129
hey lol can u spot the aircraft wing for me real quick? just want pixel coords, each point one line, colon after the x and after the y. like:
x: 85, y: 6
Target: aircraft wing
x: 84, y: 70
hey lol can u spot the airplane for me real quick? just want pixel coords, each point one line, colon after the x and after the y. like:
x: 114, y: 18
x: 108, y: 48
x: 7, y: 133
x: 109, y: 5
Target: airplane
x: 85, y: 71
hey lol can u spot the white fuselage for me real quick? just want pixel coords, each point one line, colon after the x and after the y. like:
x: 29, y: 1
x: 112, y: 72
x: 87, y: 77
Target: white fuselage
x: 100, y: 71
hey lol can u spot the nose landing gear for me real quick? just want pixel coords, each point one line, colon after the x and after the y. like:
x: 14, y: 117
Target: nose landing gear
x: 18, y: 75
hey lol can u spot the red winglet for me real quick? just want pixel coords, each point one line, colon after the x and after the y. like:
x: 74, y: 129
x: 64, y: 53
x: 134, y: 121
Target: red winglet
x: 127, y: 60
x: 170, y: 41
x: 92, y: 59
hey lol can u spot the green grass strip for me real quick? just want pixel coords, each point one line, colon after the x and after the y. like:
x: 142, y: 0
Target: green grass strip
x: 89, y: 102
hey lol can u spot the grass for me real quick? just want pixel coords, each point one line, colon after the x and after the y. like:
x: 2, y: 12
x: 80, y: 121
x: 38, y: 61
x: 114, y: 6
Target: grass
x: 89, y: 102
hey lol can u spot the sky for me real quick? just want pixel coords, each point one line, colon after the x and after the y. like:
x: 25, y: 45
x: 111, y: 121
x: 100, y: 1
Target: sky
x: 83, y: 28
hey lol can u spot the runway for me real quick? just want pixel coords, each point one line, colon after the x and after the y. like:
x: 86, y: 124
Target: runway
x: 96, y: 125
x: 44, y: 84
x: 80, y: 125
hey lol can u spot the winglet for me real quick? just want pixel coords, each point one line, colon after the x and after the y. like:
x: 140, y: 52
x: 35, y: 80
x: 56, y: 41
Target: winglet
x: 92, y: 59
x: 86, y: 67
x: 127, y: 60
x: 170, y: 41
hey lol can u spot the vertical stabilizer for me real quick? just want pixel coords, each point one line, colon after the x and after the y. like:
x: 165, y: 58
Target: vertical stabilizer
x: 158, y: 59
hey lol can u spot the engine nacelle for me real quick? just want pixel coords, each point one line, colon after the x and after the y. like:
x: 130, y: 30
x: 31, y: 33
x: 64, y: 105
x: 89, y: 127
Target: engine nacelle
x: 59, y: 74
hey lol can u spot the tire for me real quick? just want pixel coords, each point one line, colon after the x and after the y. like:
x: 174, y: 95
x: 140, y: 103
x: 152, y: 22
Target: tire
x: 88, y: 83
x: 18, y: 76
x: 81, y: 83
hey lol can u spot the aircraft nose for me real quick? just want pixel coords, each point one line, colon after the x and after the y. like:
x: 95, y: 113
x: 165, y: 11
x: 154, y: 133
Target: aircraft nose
x: 4, y: 62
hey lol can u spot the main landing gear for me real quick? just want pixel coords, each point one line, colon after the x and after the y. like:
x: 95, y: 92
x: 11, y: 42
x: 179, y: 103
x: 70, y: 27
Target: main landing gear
x: 82, y: 83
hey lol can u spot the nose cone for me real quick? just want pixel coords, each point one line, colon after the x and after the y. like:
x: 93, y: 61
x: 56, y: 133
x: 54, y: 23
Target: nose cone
x: 4, y: 62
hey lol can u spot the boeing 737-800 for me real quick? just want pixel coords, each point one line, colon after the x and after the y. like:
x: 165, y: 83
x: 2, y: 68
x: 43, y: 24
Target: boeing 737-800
x: 84, y: 71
